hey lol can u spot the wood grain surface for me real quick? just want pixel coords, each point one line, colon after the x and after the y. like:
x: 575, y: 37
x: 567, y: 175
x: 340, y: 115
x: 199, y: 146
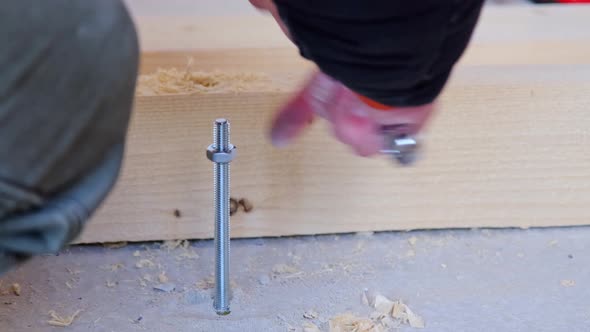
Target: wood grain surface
x: 509, y: 148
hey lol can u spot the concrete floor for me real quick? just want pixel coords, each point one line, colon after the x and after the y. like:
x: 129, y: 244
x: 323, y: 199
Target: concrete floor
x: 458, y: 280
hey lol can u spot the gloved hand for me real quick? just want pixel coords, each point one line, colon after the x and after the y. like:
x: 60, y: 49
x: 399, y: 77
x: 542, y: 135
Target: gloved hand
x: 370, y: 54
x: 355, y: 120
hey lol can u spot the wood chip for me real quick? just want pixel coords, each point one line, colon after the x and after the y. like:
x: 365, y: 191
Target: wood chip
x: 284, y: 269
x: 392, y: 314
x: 310, y: 327
x: 406, y: 315
x: 115, y: 267
x: 351, y: 323
x: 206, y: 283
x: 57, y: 320
x: 413, y: 240
x: 188, y: 254
x: 310, y: 314
x: 162, y: 277
x: 144, y: 263
x: 16, y: 289
x: 568, y: 283
x: 383, y: 304
x: 389, y: 323
x: 364, y: 298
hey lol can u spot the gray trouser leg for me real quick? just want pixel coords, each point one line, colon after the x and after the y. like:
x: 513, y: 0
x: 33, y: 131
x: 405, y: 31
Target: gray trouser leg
x: 67, y: 77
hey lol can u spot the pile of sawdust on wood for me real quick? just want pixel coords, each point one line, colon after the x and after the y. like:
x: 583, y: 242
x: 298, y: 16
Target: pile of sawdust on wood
x: 171, y: 81
x: 57, y: 320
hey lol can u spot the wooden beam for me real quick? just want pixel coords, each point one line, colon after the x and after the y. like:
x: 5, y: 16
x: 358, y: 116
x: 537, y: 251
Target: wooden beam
x: 510, y: 148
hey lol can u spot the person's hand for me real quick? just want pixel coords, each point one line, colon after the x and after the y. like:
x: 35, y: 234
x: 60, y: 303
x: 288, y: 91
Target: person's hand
x: 354, y: 122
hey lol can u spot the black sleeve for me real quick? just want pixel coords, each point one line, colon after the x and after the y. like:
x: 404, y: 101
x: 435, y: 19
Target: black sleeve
x: 396, y: 52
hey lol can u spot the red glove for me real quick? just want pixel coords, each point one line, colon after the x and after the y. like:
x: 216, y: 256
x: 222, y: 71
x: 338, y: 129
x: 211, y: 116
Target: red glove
x: 356, y: 121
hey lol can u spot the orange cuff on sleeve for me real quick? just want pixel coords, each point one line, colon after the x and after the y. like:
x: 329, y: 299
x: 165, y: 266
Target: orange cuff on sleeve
x: 375, y: 104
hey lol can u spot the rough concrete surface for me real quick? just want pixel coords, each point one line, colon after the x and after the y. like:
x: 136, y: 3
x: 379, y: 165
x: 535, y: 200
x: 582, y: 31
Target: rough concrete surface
x: 457, y: 280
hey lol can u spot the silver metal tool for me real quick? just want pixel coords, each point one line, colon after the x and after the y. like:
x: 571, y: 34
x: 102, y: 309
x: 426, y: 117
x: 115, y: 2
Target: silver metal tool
x: 402, y: 147
x: 221, y: 152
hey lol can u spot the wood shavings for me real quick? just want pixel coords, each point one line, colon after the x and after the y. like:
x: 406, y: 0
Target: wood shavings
x: 144, y: 263
x: 65, y: 321
x: 206, y: 283
x: 568, y: 283
x: 173, y: 244
x: 209, y: 283
x: 310, y: 314
x: 383, y: 304
x: 310, y: 327
x: 284, y: 269
x: 113, y: 267
x: 364, y: 298
x: 115, y: 245
x: 412, y: 241
x: 405, y: 315
x: 187, y: 254
x: 350, y: 323
x: 162, y: 277
x: 16, y: 289
x: 388, y: 314
x: 174, y: 81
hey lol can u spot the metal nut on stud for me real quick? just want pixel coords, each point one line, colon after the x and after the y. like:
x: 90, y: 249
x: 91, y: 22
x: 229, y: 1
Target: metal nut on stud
x: 402, y: 147
x: 405, y: 150
x: 217, y: 156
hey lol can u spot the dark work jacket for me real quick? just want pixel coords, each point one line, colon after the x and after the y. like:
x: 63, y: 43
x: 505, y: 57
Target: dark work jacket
x: 396, y: 52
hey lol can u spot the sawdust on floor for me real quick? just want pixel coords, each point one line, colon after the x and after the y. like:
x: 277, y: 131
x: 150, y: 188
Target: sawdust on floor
x: 62, y: 321
x: 388, y: 315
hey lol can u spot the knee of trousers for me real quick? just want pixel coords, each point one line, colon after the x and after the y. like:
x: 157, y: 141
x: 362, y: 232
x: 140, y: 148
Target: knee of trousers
x: 67, y: 81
